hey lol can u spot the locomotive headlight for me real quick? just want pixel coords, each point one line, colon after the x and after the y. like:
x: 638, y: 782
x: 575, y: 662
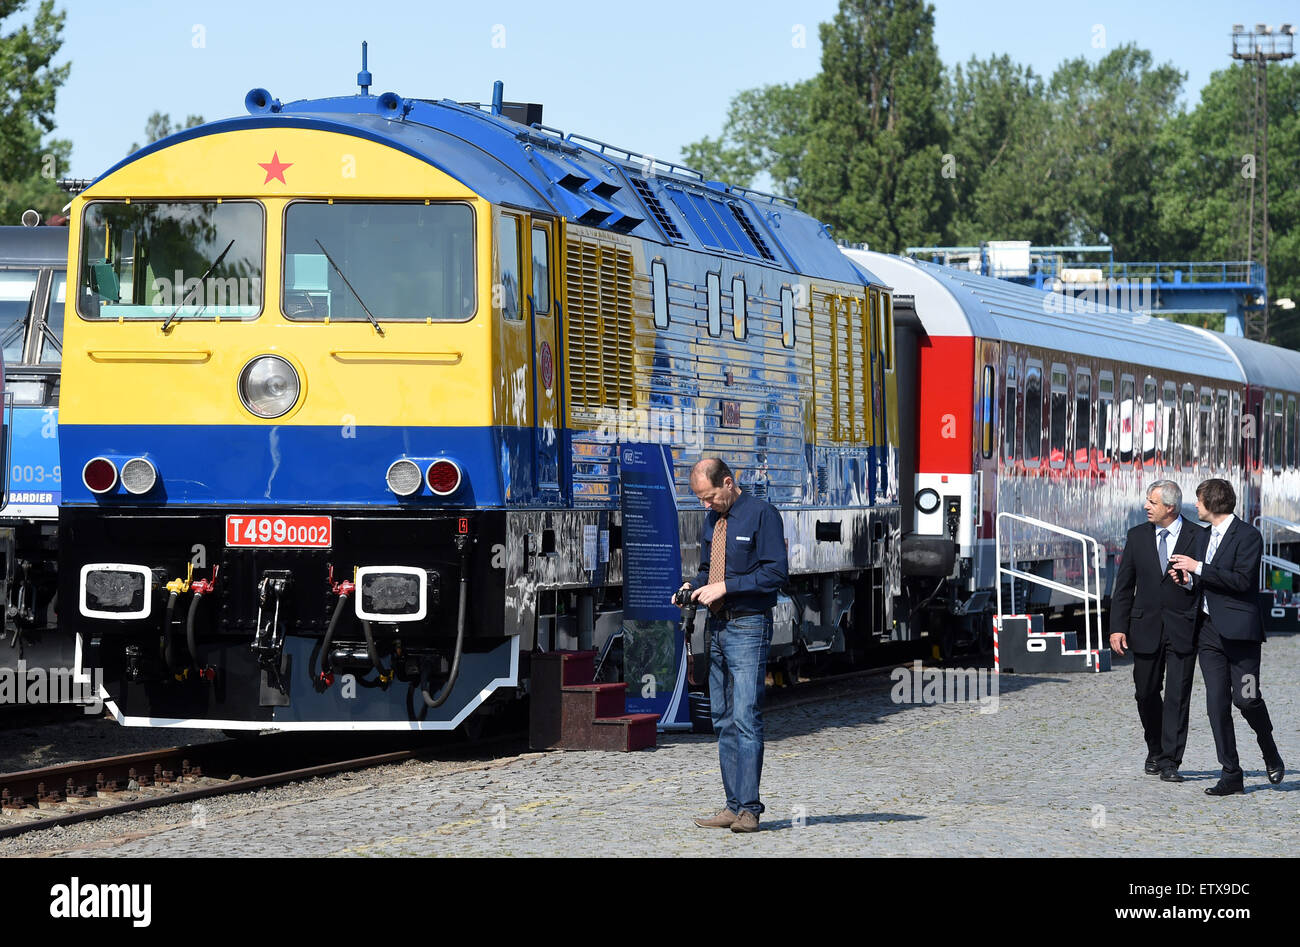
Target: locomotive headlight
x: 268, y: 386
x: 404, y: 477
x: 114, y: 590
x: 392, y: 593
x: 99, y: 475
x: 444, y: 477
x: 138, y: 476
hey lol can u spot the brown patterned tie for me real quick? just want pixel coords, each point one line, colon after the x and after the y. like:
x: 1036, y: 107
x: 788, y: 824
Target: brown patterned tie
x: 718, y: 558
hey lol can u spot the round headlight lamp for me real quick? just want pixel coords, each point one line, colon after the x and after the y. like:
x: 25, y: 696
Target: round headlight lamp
x: 268, y: 386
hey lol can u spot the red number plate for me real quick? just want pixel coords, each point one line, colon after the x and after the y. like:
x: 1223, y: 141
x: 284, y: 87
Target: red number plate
x: 312, y: 532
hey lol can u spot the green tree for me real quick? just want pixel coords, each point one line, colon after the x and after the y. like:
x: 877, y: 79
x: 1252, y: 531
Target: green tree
x: 765, y: 134
x: 29, y: 162
x: 874, y: 163
x: 1199, y: 194
x: 159, y: 125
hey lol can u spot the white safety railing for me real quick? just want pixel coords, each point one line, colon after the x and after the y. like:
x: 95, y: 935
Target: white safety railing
x: 1090, y: 553
x: 1272, y: 528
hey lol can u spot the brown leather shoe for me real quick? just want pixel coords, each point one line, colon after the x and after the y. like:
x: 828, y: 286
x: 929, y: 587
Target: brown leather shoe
x: 723, y: 819
x: 745, y: 822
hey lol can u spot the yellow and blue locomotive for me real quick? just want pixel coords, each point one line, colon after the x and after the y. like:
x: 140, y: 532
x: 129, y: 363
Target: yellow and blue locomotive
x: 344, y: 386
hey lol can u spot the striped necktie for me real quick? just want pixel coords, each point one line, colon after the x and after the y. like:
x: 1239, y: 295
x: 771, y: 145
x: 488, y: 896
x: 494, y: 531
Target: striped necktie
x: 718, y: 558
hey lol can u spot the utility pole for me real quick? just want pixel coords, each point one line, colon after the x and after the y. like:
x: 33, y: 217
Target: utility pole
x: 1259, y: 47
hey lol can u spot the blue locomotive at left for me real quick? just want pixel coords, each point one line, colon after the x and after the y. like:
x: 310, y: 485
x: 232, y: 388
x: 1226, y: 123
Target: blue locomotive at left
x: 33, y: 286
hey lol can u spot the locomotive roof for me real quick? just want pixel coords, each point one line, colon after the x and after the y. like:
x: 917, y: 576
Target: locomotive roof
x: 36, y: 246
x: 1267, y: 366
x: 955, y: 302
x: 542, y: 170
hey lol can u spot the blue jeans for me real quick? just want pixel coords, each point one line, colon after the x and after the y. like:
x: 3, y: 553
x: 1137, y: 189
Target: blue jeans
x: 737, y: 670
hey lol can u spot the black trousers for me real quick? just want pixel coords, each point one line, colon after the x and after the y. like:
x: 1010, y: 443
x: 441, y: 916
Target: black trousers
x: 1164, y: 722
x: 1231, y: 671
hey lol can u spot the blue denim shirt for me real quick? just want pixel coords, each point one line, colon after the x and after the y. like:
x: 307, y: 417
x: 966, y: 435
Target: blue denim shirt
x: 756, y: 558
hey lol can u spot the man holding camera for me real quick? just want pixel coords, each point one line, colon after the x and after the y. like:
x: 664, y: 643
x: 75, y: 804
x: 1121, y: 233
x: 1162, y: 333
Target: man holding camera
x: 742, y: 567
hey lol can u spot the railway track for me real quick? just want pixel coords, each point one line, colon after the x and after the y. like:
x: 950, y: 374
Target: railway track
x: 77, y: 792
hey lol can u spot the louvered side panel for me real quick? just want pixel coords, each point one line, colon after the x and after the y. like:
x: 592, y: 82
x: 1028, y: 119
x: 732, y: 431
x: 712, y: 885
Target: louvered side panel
x: 824, y: 384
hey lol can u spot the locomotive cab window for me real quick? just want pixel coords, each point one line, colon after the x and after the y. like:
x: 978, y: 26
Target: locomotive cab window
x: 401, y: 262
x: 17, y: 294
x: 50, y: 346
x: 541, y: 271
x: 171, y: 259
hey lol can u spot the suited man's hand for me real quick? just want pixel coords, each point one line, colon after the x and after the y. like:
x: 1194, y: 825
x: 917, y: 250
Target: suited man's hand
x: 1183, y: 563
x: 1118, y: 642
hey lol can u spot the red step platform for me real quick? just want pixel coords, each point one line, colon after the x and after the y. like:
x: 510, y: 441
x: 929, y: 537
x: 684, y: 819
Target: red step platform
x: 569, y: 712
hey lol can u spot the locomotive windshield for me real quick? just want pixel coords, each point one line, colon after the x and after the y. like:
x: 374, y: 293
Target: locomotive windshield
x: 155, y: 259
x: 17, y: 289
x: 408, y: 262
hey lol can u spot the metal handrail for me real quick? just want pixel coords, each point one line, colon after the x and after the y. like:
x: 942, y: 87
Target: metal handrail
x: 1269, y: 527
x: 1091, y: 591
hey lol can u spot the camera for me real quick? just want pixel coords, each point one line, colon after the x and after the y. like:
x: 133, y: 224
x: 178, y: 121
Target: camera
x: 682, y: 598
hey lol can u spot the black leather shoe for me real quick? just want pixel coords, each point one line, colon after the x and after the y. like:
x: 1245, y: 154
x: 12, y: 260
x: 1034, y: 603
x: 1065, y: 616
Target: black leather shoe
x: 1226, y: 787
x: 1170, y: 775
x: 1275, y: 771
x: 1151, y: 768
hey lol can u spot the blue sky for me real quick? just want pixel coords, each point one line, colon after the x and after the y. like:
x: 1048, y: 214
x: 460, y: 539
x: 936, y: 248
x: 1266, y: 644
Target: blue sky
x: 649, y: 76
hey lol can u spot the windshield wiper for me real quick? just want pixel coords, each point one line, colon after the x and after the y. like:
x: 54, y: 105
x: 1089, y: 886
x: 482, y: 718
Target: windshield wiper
x: 215, y: 263
x: 373, y: 321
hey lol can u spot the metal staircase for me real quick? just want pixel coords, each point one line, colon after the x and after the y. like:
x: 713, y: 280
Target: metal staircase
x: 1021, y: 642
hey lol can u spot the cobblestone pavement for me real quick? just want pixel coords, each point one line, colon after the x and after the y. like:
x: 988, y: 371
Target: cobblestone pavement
x: 1057, y: 770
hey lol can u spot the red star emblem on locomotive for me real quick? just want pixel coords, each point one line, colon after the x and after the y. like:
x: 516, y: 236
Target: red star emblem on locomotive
x: 275, y: 168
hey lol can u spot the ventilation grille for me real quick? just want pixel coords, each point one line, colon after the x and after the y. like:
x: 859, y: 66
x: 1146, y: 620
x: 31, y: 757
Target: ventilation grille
x: 656, y: 208
x: 600, y: 327
x: 752, y: 232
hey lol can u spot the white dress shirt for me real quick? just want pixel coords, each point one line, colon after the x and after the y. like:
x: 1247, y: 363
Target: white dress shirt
x: 1216, y: 537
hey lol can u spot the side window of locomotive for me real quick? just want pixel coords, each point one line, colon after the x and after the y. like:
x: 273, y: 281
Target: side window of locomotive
x: 986, y: 412
x: 1033, y: 414
x: 1082, y: 417
x: 1060, y: 400
x: 1105, y: 419
x: 541, y: 271
x: 787, y: 317
x: 507, y: 288
x: 157, y: 260
x: 1205, y: 453
x: 659, y: 279
x: 1188, y: 427
x: 1126, y: 430
x: 407, y: 261
x: 714, y: 284
x: 739, y: 309
x: 1149, y: 412
x: 887, y: 326
x: 1009, y: 413
x: 1169, y: 425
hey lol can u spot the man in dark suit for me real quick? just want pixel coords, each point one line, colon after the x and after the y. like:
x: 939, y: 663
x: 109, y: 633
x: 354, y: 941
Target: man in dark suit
x: 1153, y: 614
x: 1231, y: 632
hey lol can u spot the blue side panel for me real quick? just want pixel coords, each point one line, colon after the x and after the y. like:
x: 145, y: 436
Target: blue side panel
x: 35, y: 477
x: 253, y: 465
